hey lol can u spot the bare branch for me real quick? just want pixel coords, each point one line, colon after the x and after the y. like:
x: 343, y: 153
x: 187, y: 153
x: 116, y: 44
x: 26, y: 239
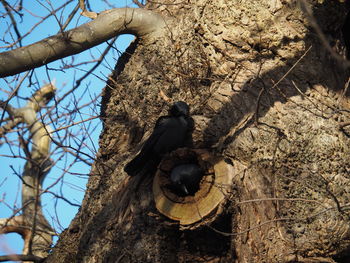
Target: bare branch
x: 32, y: 224
x: 18, y: 257
x: 85, y: 12
x: 108, y: 24
x: 13, y: 20
x: 99, y: 61
x: 38, y: 23
x: 73, y: 124
x: 14, y: 224
x: 136, y: 2
x: 8, y: 127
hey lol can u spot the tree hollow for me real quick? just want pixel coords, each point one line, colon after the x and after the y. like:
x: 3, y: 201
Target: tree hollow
x: 205, y: 205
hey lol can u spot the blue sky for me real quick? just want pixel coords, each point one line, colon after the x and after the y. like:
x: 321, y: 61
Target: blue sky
x: 69, y: 176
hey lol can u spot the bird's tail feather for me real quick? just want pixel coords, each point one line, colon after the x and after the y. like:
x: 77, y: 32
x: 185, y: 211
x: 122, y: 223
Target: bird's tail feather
x: 135, y: 165
x: 142, y: 164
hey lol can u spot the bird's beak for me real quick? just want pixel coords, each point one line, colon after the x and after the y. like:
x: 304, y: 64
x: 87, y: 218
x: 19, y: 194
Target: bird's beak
x: 184, y: 189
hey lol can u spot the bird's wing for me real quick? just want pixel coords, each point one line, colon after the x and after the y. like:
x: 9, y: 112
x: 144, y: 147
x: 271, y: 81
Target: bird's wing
x: 159, y: 129
x: 149, y: 158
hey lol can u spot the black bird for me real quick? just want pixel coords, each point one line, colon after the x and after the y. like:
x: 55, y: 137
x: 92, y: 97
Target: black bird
x: 185, y: 179
x: 170, y: 133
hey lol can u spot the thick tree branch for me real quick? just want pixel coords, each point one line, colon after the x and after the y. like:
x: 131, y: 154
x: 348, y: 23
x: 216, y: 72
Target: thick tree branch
x: 39, y: 99
x: 108, y: 24
x: 35, y: 171
x: 32, y: 225
x: 17, y: 257
x: 11, y: 124
x: 15, y: 224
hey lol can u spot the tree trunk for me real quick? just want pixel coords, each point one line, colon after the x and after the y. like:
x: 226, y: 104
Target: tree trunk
x: 268, y: 97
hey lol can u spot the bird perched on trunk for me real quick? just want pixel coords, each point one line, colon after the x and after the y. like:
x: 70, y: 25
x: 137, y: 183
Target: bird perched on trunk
x: 185, y: 179
x: 170, y: 133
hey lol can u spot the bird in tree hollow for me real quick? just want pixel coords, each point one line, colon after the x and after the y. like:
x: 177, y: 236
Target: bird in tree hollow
x: 185, y: 179
x: 170, y: 133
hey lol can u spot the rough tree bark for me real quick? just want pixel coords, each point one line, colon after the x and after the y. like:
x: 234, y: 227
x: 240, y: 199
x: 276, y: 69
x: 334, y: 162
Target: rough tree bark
x: 268, y: 97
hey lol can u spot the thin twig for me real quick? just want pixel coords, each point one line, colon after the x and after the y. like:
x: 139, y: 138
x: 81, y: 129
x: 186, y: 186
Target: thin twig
x: 279, y: 199
x: 294, y: 65
x: 70, y: 18
x: 13, y: 21
x: 37, y: 24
